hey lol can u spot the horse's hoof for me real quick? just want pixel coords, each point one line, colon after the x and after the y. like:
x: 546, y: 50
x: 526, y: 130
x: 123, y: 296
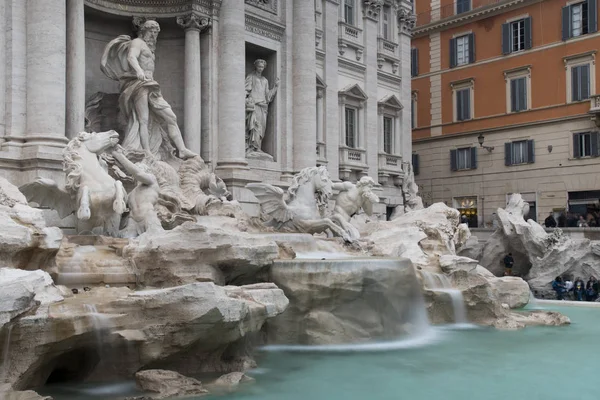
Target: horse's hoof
x: 84, y: 213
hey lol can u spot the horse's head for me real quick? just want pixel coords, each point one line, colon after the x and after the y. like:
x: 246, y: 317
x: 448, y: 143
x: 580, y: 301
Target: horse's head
x: 322, y: 182
x: 98, y: 142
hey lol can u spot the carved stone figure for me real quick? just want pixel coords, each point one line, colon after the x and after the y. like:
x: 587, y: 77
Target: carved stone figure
x: 131, y: 62
x: 350, y: 200
x: 97, y: 198
x: 142, y: 199
x: 410, y: 190
x: 196, y: 180
x: 258, y: 97
x: 302, y: 208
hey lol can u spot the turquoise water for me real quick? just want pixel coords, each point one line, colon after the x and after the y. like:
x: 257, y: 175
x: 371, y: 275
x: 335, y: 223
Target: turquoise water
x: 480, y: 364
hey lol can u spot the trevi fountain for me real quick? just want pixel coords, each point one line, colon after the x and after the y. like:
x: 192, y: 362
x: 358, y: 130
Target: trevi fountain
x: 166, y: 282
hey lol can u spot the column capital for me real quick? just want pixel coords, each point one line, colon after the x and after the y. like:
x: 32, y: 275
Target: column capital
x: 193, y: 21
x: 371, y: 8
x: 406, y: 21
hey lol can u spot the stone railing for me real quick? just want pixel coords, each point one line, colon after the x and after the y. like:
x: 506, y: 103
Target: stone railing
x: 350, y: 34
x: 387, y: 49
x: 352, y: 157
x: 595, y: 104
x: 390, y: 164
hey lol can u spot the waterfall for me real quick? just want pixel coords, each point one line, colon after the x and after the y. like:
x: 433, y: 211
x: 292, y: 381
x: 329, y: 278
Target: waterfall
x: 6, y: 351
x: 441, y: 284
x: 99, y: 321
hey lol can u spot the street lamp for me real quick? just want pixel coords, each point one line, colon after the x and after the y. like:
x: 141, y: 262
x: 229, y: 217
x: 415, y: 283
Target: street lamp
x: 480, y: 139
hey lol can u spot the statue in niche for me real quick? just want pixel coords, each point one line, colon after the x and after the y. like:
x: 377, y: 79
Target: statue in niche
x: 351, y: 199
x: 149, y: 116
x: 258, y: 97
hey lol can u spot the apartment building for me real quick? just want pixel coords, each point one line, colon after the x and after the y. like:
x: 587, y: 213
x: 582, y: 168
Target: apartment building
x: 505, y: 100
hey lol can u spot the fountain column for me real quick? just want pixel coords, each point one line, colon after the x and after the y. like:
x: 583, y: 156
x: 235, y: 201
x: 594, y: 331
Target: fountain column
x: 232, y: 135
x: 303, y: 84
x: 193, y: 25
x: 46, y: 72
x: 75, y: 108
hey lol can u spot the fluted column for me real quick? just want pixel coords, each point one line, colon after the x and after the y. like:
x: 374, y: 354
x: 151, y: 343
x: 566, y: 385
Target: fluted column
x: 232, y: 136
x: 320, y: 93
x: 75, y: 108
x: 303, y: 84
x: 46, y: 72
x: 3, y: 77
x: 192, y: 95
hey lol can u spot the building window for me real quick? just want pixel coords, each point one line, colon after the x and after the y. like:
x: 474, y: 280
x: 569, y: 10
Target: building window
x: 579, y: 19
x: 415, y: 164
x: 413, y: 111
x: 518, y: 94
x: 414, y: 62
x: 585, y: 144
x: 519, y: 152
x: 516, y: 36
x: 463, y: 6
x: 349, y: 9
x: 388, y: 134
x: 463, y: 104
x: 386, y: 23
x: 464, y: 158
x: 580, y: 82
x: 462, y: 50
x: 351, y: 123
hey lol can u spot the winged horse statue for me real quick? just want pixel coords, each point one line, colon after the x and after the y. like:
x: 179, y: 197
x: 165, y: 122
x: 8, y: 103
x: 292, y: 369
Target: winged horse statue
x: 300, y: 209
x: 97, y: 199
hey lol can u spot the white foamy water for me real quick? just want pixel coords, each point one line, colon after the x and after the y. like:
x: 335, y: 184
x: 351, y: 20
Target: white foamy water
x: 441, y: 284
x: 100, y: 322
x: 5, y: 360
x: 430, y: 336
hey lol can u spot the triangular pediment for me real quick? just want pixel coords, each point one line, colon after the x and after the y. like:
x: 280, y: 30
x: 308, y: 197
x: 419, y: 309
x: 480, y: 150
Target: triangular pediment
x: 355, y: 92
x: 391, y: 101
x: 320, y: 83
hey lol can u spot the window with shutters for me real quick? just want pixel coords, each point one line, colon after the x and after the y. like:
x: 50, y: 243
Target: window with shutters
x: 463, y: 104
x: 463, y: 158
x: 580, y: 82
x: 462, y: 50
x: 581, y: 79
x: 519, y: 152
x: 463, y: 6
x: 579, y: 19
x: 585, y: 144
x: 516, y: 35
x: 518, y: 94
x: 388, y: 134
x: 350, y: 117
x: 414, y: 62
x: 349, y: 11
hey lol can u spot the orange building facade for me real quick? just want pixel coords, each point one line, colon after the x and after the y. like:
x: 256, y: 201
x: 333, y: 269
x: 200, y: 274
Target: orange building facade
x: 505, y: 98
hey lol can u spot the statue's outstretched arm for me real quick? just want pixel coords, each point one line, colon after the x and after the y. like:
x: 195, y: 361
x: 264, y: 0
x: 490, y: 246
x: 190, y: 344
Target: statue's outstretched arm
x: 138, y: 174
x: 342, y: 186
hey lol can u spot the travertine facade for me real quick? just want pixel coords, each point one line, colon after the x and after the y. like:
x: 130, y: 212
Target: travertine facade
x: 343, y: 100
x: 527, y: 75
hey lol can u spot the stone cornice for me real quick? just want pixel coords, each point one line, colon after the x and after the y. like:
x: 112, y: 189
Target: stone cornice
x: 264, y: 27
x: 351, y: 65
x: 474, y: 14
x: 389, y: 78
x: 158, y: 8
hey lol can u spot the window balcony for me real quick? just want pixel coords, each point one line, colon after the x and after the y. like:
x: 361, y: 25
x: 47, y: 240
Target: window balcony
x: 390, y: 169
x: 350, y: 35
x: 352, y: 160
x: 595, y: 108
x: 387, y: 49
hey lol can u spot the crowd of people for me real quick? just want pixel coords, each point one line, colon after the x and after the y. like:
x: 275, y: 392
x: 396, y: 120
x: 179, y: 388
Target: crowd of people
x: 591, y: 219
x: 576, y: 290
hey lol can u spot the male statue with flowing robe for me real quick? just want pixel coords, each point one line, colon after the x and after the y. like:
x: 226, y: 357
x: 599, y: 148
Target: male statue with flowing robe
x: 131, y: 62
x: 258, y: 97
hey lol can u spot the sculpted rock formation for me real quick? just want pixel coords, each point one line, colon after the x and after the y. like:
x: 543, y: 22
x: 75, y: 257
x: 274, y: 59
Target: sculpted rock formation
x: 113, y: 332
x: 164, y: 384
x: 25, y: 241
x: 430, y: 238
x: 539, y: 256
x: 350, y: 200
x: 97, y: 199
x: 345, y: 300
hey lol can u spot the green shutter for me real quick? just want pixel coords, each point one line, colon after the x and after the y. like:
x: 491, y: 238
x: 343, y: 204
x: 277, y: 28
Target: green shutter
x: 505, y: 38
x: 507, y: 154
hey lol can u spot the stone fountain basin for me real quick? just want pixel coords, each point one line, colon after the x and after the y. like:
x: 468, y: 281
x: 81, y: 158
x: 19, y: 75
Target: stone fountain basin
x: 345, y: 300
